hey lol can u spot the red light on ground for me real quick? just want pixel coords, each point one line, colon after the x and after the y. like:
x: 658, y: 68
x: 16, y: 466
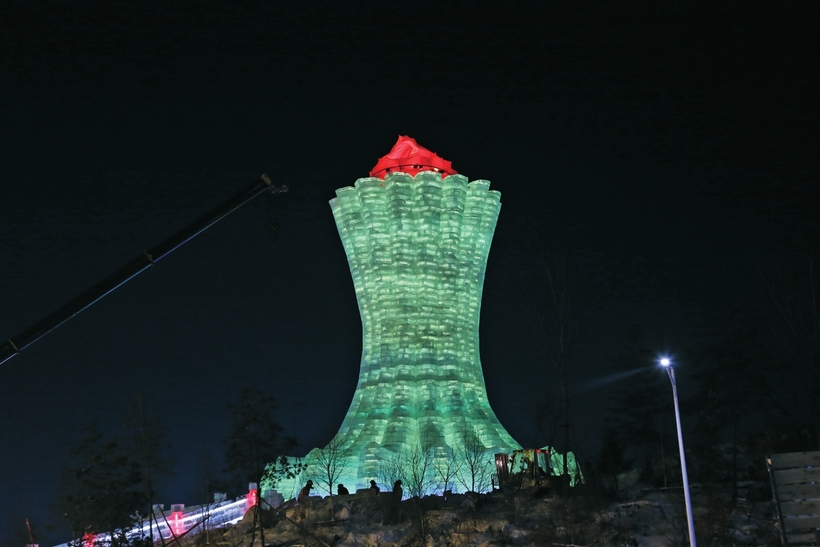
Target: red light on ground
x: 177, y: 528
x: 253, y: 497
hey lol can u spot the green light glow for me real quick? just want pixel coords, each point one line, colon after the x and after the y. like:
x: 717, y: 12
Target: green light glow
x: 417, y: 249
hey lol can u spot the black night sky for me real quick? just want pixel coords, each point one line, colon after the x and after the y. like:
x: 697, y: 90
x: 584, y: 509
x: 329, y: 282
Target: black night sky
x: 668, y: 150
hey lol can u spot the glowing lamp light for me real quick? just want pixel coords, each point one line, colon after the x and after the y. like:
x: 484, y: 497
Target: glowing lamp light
x: 690, y: 520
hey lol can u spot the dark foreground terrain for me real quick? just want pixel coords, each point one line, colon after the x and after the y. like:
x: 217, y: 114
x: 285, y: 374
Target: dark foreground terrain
x: 637, y: 516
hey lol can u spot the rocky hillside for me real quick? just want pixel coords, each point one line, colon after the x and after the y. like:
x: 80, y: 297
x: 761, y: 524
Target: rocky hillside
x: 637, y: 516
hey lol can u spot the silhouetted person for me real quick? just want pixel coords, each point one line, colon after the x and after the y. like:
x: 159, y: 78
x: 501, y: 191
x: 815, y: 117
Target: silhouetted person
x: 395, y: 502
x: 341, y: 490
x: 374, y: 488
x: 304, y: 493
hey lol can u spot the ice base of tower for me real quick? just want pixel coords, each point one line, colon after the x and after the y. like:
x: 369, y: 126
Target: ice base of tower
x: 485, y: 479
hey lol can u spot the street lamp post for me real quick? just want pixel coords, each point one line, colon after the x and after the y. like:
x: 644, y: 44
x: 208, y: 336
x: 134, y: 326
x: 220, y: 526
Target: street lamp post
x: 670, y: 370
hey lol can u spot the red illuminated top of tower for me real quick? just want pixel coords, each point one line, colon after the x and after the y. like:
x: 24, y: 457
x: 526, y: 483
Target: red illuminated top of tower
x: 408, y: 157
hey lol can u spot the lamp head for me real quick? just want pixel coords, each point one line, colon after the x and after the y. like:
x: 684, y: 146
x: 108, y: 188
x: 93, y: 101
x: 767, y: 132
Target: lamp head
x: 665, y: 362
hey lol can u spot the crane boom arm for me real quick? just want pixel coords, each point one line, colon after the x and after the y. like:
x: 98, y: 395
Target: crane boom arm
x: 18, y: 343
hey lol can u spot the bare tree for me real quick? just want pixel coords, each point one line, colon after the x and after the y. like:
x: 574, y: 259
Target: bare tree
x: 477, y: 463
x: 148, y: 443
x: 794, y: 298
x: 418, y: 464
x: 101, y: 488
x: 545, y: 420
x: 560, y: 330
x: 446, y: 467
x: 327, y: 464
x: 390, y: 469
x: 413, y: 464
x: 640, y: 409
x: 734, y: 393
x: 255, y: 440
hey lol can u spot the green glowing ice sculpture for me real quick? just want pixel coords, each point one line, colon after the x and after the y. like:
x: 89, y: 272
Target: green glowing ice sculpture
x: 417, y: 249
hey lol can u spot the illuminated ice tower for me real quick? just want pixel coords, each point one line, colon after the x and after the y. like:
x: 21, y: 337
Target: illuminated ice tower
x: 417, y: 237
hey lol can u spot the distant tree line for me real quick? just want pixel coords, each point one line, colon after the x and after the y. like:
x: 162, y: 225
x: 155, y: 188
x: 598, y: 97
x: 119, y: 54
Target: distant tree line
x: 110, y: 479
x: 757, y: 389
x: 750, y: 385
x: 109, y: 482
